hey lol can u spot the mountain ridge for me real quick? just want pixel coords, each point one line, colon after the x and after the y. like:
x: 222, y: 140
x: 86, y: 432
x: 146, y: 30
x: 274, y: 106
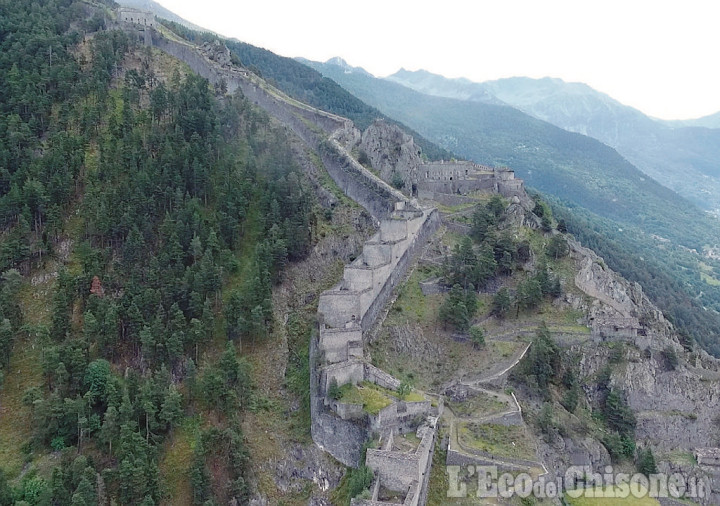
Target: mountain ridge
x: 677, y: 154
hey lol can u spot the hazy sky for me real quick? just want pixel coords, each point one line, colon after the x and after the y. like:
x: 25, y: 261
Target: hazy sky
x: 658, y: 56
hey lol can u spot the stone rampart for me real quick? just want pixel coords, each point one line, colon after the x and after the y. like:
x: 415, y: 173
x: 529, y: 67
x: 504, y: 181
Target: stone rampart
x: 395, y: 470
x: 350, y: 371
x: 356, y: 182
x: 400, y: 416
x: 349, y: 411
x: 343, y: 439
x: 369, y: 281
x: 455, y: 458
x: 381, y: 378
x: 407, y: 472
x: 422, y: 230
x: 337, y: 344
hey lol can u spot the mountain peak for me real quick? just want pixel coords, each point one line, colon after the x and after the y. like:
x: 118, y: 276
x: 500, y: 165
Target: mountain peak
x: 340, y: 62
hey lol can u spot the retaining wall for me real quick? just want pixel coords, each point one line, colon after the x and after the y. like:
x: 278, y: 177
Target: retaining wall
x: 343, y: 439
x: 401, y: 416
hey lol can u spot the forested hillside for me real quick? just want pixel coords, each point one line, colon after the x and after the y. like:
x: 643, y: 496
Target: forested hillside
x: 637, y: 224
x: 144, y: 223
x: 677, y: 157
x: 306, y: 84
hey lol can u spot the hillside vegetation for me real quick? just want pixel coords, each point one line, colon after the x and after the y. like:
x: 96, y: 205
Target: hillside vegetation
x: 143, y: 232
x: 647, y: 222
x: 304, y: 84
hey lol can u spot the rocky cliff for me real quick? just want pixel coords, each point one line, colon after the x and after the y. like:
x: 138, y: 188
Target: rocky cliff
x: 392, y: 152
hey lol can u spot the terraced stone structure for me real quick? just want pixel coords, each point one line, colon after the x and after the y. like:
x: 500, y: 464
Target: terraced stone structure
x: 136, y: 17
x: 463, y: 177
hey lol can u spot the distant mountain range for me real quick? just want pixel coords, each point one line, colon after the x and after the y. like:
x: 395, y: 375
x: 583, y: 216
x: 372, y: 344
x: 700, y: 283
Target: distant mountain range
x: 574, y: 167
x: 683, y: 155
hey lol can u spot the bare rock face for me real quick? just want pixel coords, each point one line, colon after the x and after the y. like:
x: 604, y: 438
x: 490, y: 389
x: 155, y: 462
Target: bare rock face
x: 391, y: 151
x: 618, y: 301
x: 217, y: 52
x: 349, y: 137
x: 307, y: 464
x: 518, y: 214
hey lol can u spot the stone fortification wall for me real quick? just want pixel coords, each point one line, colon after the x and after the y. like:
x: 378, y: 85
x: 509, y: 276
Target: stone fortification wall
x: 455, y: 458
x: 401, y: 416
x: 339, y: 345
x: 447, y: 199
x: 136, y: 17
x: 395, y: 470
x: 426, y: 450
x: 362, y: 294
x: 381, y: 378
x: 460, y: 178
x: 407, y: 472
x: 379, y: 198
x: 404, y: 257
x: 343, y: 439
x: 349, y: 411
x: 255, y: 89
x: 357, y: 182
x: 368, y: 282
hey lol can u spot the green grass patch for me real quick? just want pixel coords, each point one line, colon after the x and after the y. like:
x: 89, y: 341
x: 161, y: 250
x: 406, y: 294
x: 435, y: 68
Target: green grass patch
x: 176, y: 459
x: 480, y: 404
x: 23, y: 372
x: 414, y: 397
x: 709, y: 279
x: 372, y: 399
x: 680, y: 457
x: 504, y: 441
x: 610, y: 496
x: 502, y: 349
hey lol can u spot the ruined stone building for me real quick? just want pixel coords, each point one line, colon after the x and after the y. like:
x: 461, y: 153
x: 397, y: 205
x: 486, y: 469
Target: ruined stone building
x: 137, y: 17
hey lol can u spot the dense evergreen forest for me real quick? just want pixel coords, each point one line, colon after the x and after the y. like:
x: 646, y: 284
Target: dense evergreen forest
x: 165, y: 215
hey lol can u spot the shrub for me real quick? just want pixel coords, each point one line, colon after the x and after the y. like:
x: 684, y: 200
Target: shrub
x: 645, y: 461
x: 477, y: 336
x: 334, y: 391
x: 670, y: 357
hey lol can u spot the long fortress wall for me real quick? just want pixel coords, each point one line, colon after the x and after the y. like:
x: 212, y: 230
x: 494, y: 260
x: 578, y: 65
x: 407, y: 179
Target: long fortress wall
x: 345, y: 312
x: 350, y: 308
x: 356, y: 182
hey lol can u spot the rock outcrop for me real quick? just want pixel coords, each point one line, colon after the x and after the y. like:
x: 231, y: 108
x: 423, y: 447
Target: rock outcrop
x: 392, y: 152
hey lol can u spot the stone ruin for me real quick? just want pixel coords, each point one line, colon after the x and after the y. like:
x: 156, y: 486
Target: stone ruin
x: 394, y: 154
x: 137, y: 17
x: 346, y: 313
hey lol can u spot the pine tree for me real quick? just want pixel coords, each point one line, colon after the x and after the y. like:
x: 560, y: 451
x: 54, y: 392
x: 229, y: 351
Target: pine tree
x: 501, y: 303
x: 645, y: 462
x: 171, y: 409
x: 110, y: 428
